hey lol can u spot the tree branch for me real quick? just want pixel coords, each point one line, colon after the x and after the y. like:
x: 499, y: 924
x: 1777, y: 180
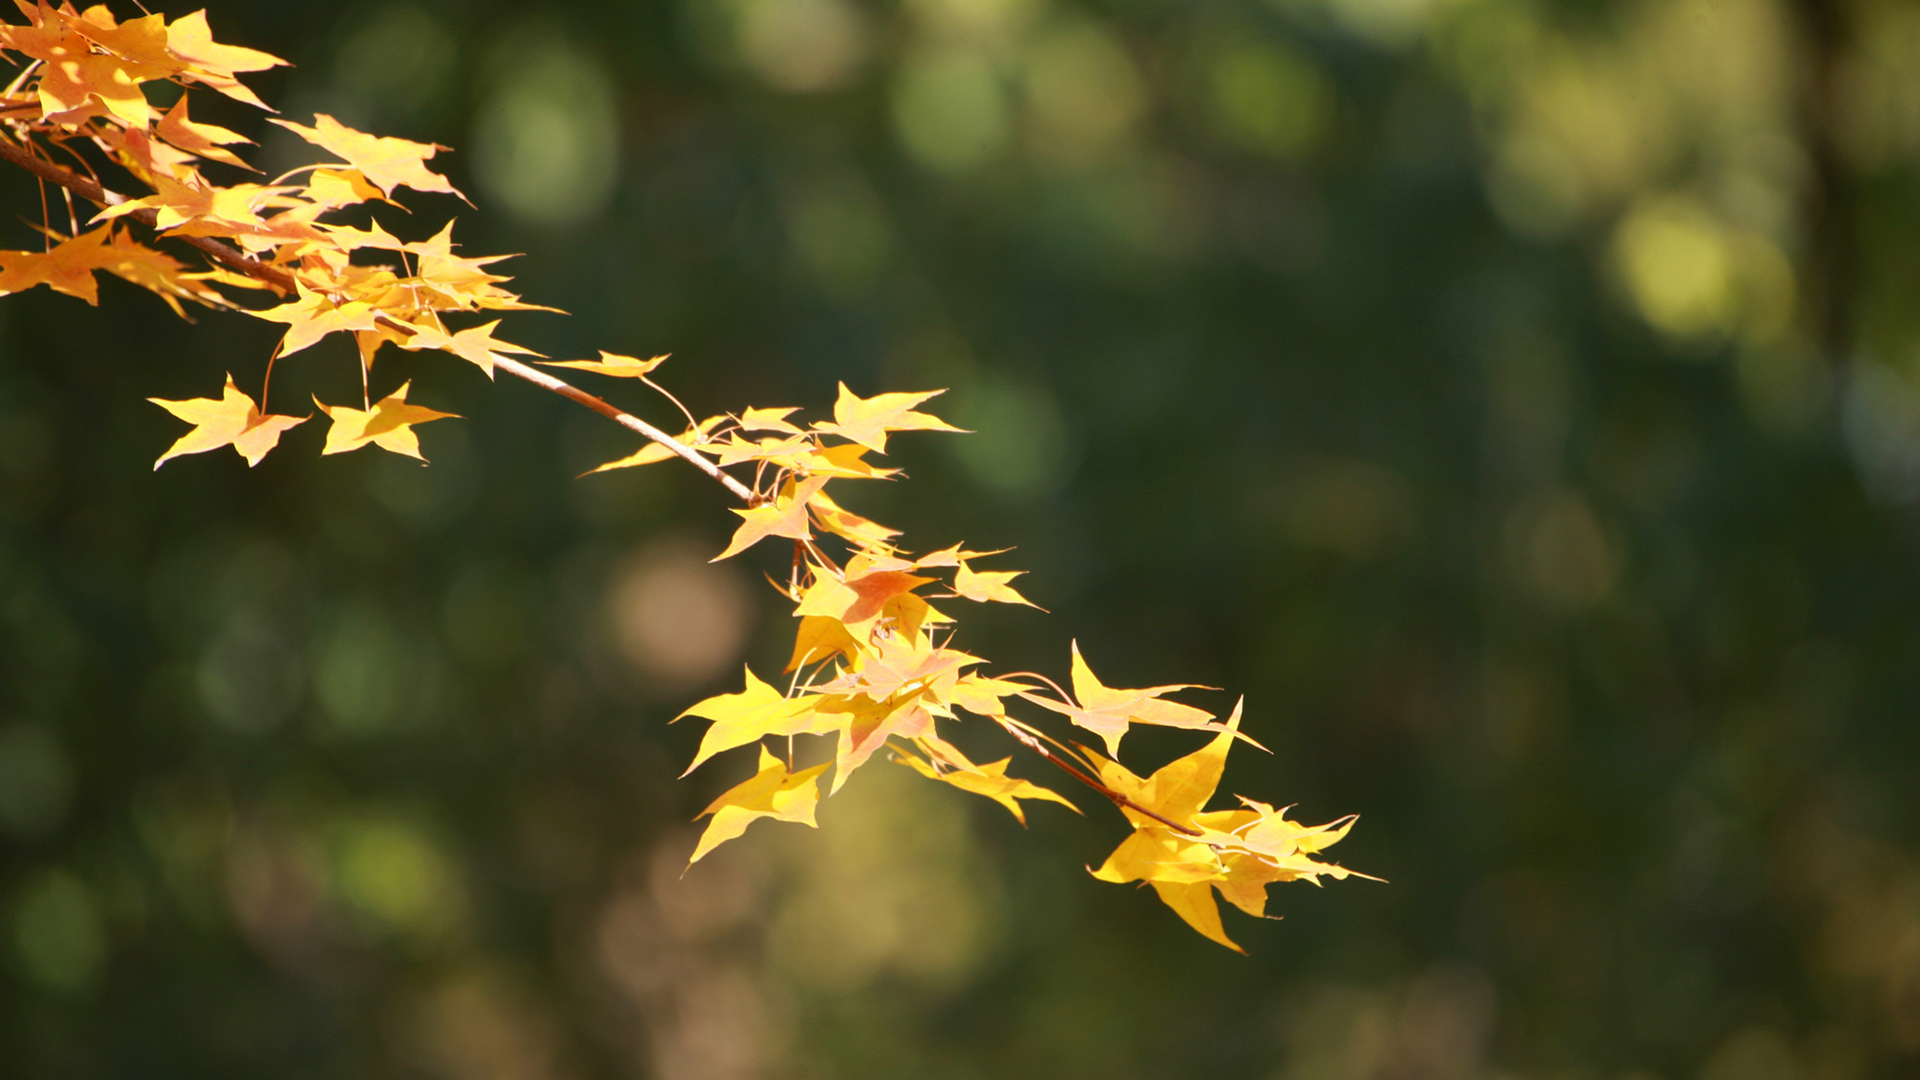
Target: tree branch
x: 89, y: 189
x: 283, y: 280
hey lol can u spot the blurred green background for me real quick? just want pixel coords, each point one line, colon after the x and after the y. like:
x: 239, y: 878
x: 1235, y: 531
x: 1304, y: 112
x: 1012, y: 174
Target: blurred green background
x: 1518, y: 400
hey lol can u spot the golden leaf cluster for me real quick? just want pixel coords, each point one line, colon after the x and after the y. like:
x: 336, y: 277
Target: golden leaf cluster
x: 873, y: 667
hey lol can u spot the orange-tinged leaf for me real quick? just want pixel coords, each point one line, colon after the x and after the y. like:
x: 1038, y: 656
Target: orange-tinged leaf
x: 1106, y: 711
x: 142, y: 40
x: 749, y: 716
x: 623, y: 367
x: 990, y: 780
x: 68, y: 268
x: 208, y: 62
x: 859, y: 601
x: 785, y: 516
x: 205, y: 140
x: 773, y: 792
x: 334, y: 188
x: 902, y: 663
x: 232, y: 420
x: 868, y: 420
x: 865, y: 725
x: 819, y: 638
x: 386, y: 162
x: 851, y: 526
x: 388, y: 425
x: 159, y: 273
x: 845, y: 460
x: 218, y: 210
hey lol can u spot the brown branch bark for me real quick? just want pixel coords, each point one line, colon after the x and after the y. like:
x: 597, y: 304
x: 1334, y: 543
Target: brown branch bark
x: 1081, y: 775
x: 239, y: 261
x: 89, y: 189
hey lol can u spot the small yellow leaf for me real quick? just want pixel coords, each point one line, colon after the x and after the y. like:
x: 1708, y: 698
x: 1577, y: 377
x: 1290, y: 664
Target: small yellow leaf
x: 773, y: 792
x: 1106, y: 711
x: 387, y: 163
x: 749, y: 716
x: 982, y: 586
x: 234, y: 420
x: 868, y: 420
x: 624, y: 367
x: 989, y: 780
x: 388, y: 425
x: 785, y: 516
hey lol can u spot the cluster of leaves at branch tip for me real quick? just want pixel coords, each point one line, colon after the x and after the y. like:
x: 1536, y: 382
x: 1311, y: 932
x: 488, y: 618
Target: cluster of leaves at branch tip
x: 872, y: 666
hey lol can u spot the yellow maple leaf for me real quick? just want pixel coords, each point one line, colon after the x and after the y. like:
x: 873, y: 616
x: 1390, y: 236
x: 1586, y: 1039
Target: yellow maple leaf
x: 476, y: 344
x: 773, y: 792
x: 990, y: 780
x: 819, y: 638
x: 984, y: 585
x: 335, y: 188
x: 902, y: 663
x: 785, y: 516
x: 386, y: 162
x: 981, y: 695
x: 68, y: 268
x: 868, y: 420
x: 866, y: 534
x: 142, y: 40
x: 749, y: 716
x: 212, y: 64
x: 313, y: 316
x: 158, y: 273
x: 1238, y: 852
x: 864, y: 725
x: 845, y: 460
x: 388, y: 425
x: 204, y: 140
x: 653, y: 452
x: 622, y: 367
x: 232, y: 420
x: 752, y: 419
x: 1106, y: 711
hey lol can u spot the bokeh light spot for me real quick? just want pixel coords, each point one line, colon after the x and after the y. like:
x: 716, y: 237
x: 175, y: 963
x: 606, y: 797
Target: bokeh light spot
x: 390, y: 871
x: 36, y: 782
x: 547, y: 137
x: 950, y: 111
x: 58, y: 938
x: 802, y: 46
x: 677, y: 618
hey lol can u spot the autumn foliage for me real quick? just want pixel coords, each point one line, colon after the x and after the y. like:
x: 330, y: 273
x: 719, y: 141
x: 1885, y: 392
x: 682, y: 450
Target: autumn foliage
x: 872, y: 670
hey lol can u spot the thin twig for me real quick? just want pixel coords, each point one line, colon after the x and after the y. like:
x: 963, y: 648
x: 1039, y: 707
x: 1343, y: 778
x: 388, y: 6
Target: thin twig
x: 281, y: 279
x: 1077, y: 773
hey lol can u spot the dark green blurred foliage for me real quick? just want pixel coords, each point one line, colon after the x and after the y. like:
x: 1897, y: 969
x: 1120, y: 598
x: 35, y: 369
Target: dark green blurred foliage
x: 1518, y: 400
